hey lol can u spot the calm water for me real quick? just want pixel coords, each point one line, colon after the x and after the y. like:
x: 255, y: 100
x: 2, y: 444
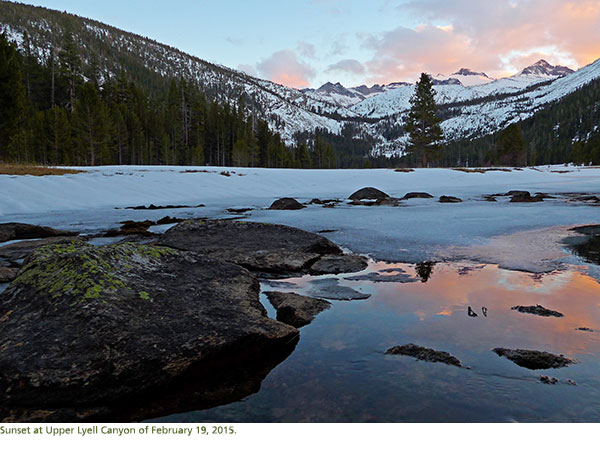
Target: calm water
x: 339, y: 373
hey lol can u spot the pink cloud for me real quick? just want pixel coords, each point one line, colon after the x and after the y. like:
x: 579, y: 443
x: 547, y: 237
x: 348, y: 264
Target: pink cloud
x: 285, y: 68
x: 497, y: 37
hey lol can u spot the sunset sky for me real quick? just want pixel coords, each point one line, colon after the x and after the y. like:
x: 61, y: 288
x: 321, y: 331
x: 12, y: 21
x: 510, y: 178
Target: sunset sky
x: 309, y: 42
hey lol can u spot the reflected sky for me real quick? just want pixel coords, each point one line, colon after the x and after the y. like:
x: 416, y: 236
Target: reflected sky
x: 339, y: 372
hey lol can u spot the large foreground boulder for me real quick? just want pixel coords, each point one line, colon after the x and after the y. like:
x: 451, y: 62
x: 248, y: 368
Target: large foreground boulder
x: 268, y: 249
x: 18, y: 231
x: 109, y: 327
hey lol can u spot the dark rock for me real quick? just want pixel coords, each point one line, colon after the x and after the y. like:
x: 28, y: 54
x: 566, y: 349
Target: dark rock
x: 327, y: 231
x: 412, y: 195
x: 323, y: 202
x: 7, y: 274
x: 548, y: 380
x: 484, y: 310
x: 265, y: 248
x: 449, y: 199
x: 521, y: 193
x: 116, y: 326
x: 294, y: 309
x: 545, y: 196
x: 330, y: 289
x: 338, y: 263
x: 586, y: 198
x: 518, y: 198
x: 368, y: 193
x: 15, y: 252
x: 168, y: 220
x: 532, y: 359
x: 379, y: 202
x: 379, y: 278
x: 286, y: 203
x: 471, y: 313
x: 17, y: 231
x: 584, y: 329
x: 586, y: 246
x: 489, y: 198
x: 424, y: 354
x: 135, y: 224
x: 537, y: 310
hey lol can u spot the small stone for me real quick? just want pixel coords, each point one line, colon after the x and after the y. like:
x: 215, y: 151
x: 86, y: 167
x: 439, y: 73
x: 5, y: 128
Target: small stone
x: 286, y: 204
x: 424, y: 354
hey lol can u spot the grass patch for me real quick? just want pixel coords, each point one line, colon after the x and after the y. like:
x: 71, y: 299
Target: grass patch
x: 23, y: 169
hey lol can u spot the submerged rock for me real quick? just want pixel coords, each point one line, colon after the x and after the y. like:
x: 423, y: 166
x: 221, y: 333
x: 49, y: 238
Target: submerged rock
x: 375, y: 277
x: 338, y: 263
x: 118, y: 326
x: 368, y: 193
x: 533, y: 359
x: 294, y: 309
x: 411, y: 195
x: 548, y: 380
x: 286, y: 204
x: 18, y: 231
x: 269, y: 249
x: 537, y: 310
x: 584, y: 329
x: 330, y: 288
x: 449, y: 199
x: 424, y: 354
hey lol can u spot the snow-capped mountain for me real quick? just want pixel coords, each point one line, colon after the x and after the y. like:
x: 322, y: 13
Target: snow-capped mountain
x: 542, y: 69
x: 477, y: 104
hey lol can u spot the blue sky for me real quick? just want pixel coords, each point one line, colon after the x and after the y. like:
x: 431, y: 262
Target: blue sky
x: 309, y: 42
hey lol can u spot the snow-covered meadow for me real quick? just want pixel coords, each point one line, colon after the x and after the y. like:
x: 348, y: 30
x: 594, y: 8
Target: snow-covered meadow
x: 419, y: 229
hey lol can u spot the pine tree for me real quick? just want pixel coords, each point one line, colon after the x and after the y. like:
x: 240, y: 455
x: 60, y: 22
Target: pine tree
x: 422, y: 123
x: 12, y: 99
x: 511, y: 147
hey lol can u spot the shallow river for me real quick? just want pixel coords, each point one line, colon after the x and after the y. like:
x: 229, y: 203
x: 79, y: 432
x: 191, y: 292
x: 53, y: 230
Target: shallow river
x: 339, y: 372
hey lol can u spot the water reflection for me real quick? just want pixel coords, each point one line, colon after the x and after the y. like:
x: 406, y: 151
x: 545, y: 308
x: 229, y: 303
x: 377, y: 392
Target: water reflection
x: 339, y: 373
x: 424, y: 270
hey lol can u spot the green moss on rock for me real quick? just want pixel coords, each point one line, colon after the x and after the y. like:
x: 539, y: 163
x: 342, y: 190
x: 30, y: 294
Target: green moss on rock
x: 85, y: 272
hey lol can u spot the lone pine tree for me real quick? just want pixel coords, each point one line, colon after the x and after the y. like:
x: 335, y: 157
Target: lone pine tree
x: 422, y: 123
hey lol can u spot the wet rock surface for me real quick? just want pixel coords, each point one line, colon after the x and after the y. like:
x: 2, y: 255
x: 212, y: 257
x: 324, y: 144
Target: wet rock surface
x: 106, y: 327
x: 268, y: 249
x: 449, y: 199
x: 18, y: 231
x: 537, y: 310
x: 412, y: 195
x: 331, y: 289
x: 587, y: 244
x: 533, y: 359
x: 286, y: 204
x: 168, y: 206
x: 424, y: 354
x: 521, y: 196
x: 14, y: 253
x: 338, y: 263
x: 294, y: 309
x: 368, y: 193
x: 7, y: 274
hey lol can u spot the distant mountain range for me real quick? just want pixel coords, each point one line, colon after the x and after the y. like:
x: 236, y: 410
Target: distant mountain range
x: 472, y: 103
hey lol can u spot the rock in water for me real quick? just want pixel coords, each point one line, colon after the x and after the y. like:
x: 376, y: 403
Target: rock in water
x: 537, y: 310
x: 294, y: 309
x: 330, y: 288
x: 18, y: 231
x: 339, y: 263
x: 411, y: 195
x: 449, y: 199
x: 84, y: 326
x: 533, y: 359
x: 269, y: 249
x: 286, y: 203
x: 368, y: 193
x: 424, y: 354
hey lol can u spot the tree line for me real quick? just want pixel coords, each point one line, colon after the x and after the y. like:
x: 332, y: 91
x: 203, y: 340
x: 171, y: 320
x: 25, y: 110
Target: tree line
x: 53, y: 113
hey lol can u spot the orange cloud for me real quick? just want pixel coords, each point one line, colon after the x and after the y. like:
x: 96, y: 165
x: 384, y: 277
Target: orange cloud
x: 497, y: 37
x: 285, y: 68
